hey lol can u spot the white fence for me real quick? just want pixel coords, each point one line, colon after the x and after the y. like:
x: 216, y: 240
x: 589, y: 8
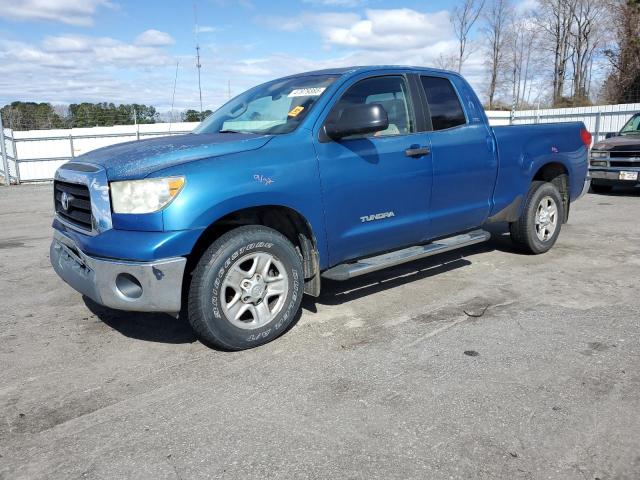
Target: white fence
x: 599, y: 120
x: 35, y: 155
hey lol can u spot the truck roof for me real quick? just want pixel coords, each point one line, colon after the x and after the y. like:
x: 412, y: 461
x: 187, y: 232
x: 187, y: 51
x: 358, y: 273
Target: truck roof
x: 368, y: 68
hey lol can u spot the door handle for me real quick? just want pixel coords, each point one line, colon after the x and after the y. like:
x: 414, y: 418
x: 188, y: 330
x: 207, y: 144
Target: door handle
x: 417, y: 152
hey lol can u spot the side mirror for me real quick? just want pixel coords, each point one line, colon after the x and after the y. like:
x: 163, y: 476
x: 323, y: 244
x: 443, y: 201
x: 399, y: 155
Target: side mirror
x: 611, y: 135
x: 358, y: 120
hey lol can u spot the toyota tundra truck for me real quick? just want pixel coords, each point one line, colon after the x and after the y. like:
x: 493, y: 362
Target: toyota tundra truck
x: 328, y: 174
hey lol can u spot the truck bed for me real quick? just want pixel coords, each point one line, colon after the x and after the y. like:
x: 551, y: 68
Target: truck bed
x: 522, y: 149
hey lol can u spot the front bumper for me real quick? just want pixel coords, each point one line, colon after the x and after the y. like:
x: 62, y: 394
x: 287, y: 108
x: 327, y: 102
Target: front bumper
x: 125, y: 285
x: 613, y: 176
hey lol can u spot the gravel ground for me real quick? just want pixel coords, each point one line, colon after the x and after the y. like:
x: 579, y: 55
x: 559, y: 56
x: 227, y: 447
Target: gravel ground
x: 395, y: 375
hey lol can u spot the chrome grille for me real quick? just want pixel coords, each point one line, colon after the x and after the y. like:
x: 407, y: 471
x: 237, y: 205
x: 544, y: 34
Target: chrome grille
x: 72, y: 203
x: 625, y: 164
x: 90, y: 212
x: 624, y: 154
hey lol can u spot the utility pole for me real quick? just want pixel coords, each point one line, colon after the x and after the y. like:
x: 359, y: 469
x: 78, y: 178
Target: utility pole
x: 3, y: 153
x: 512, y: 116
x: 135, y: 122
x: 173, y: 97
x: 198, y: 65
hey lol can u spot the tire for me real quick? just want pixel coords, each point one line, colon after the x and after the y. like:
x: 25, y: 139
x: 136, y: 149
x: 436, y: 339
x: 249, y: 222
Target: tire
x: 234, y: 302
x: 597, y: 188
x: 537, y: 231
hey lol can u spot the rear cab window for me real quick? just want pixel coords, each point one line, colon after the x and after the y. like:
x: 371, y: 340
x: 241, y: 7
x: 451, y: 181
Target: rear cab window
x: 443, y: 103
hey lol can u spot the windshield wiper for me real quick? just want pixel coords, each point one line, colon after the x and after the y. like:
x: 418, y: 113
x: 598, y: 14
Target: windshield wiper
x: 227, y: 130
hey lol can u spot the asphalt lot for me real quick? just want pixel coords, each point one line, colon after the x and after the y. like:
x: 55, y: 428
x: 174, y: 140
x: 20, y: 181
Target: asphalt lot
x: 373, y: 381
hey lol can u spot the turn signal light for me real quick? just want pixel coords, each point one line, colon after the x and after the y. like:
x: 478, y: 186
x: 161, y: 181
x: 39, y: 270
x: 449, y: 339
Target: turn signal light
x: 586, y: 137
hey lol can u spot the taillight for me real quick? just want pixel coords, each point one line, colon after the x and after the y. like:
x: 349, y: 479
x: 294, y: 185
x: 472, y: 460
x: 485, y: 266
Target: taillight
x: 586, y: 137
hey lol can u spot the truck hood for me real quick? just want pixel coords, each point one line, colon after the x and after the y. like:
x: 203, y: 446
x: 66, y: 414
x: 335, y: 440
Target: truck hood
x: 621, y: 143
x: 137, y: 159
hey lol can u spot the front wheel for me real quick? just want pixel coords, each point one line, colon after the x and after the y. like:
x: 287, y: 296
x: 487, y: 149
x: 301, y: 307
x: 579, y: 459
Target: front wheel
x: 246, y: 289
x: 538, y: 227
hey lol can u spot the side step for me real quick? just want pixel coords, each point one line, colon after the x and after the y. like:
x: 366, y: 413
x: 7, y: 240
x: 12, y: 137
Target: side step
x: 345, y: 271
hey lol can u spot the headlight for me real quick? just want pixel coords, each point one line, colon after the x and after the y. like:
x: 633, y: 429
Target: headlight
x: 144, y: 196
x: 599, y: 154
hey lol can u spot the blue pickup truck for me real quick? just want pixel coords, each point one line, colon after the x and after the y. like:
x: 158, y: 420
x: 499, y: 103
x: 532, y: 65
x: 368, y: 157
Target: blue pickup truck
x: 332, y: 174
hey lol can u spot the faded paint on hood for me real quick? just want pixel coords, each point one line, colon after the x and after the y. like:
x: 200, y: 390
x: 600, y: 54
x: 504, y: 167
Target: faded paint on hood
x: 620, y: 143
x: 138, y: 159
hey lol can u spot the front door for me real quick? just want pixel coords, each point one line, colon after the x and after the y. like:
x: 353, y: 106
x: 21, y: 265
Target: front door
x: 376, y: 194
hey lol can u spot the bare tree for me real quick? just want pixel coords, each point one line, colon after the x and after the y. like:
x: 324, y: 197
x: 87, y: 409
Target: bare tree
x: 555, y: 18
x: 446, y: 61
x: 497, y: 20
x: 522, y: 41
x: 623, y: 84
x: 463, y: 17
x: 586, y: 38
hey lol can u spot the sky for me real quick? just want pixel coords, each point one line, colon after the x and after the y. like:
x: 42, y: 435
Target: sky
x: 69, y: 51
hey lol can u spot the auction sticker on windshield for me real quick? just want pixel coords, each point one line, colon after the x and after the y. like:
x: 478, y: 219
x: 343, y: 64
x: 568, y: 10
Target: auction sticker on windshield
x: 628, y: 176
x: 296, y: 111
x: 307, y: 92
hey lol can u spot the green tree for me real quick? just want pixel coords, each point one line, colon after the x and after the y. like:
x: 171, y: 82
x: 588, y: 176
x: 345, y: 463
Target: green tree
x: 31, y: 116
x: 195, y: 116
x: 108, y: 114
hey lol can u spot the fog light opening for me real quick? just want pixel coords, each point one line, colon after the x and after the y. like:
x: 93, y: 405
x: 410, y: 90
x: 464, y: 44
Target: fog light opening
x: 128, y: 286
x: 598, y: 163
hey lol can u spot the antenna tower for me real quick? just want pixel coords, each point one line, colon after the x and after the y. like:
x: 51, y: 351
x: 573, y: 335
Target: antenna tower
x: 198, y: 64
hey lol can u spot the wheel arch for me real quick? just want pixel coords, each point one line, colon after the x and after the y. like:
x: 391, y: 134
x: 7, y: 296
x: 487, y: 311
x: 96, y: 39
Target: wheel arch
x: 286, y: 220
x: 558, y: 174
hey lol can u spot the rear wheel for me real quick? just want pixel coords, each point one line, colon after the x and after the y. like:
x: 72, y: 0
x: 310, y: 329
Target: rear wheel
x: 538, y: 227
x: 246, y: 289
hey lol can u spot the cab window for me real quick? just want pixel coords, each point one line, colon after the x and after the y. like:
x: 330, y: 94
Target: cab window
x: 632, y: 127
x: 444, y: 105
x: 391, y: 93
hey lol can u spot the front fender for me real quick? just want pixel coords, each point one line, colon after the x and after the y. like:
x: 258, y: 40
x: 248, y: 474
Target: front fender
x: 268, y: 177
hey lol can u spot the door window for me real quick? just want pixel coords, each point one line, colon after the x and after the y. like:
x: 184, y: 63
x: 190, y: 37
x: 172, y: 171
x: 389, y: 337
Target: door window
x: 444, y: 105
x: 390, y: 92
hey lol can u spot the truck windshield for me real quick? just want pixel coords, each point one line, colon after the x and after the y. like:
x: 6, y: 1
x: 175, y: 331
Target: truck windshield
x: 272, y: 108
x: 632, y: 127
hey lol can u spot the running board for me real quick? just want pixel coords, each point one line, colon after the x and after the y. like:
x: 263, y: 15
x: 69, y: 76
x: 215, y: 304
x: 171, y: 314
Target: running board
x: 345, y: 271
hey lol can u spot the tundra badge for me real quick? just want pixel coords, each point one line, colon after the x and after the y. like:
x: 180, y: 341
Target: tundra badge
x: 377, y: 216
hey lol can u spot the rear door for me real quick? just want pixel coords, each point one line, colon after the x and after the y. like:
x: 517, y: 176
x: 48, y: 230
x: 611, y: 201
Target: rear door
x: 376, y: 195
x: 464, y: 163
